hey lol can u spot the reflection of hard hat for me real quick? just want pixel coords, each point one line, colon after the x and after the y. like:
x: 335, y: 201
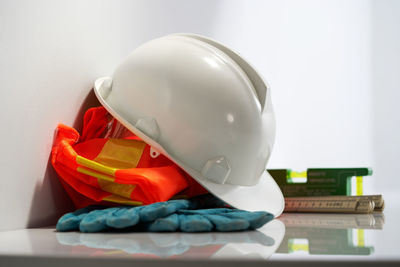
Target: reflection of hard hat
x: 205, y: 108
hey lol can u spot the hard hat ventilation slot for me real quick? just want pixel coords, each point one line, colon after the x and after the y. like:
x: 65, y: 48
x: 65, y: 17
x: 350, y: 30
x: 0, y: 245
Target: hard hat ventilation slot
x: 104, y: 86
x: 149, y: 127
x: 217, y: 170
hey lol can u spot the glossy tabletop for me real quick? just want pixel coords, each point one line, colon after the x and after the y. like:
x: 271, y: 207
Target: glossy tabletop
x: 307, y: 239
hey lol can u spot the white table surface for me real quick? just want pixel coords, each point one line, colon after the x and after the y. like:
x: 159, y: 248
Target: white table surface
x: 293, y: 238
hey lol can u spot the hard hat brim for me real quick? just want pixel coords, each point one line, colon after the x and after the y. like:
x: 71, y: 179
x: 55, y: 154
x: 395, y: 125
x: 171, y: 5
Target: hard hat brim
x: 263, y: 196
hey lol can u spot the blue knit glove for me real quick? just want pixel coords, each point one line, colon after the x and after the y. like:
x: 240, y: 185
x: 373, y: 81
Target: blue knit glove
x: 169, y: 216
x: 209, y: 220
x: 97, y: 219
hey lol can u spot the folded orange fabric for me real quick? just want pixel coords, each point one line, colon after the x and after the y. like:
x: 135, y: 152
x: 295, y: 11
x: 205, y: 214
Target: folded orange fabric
x: 109, y: 165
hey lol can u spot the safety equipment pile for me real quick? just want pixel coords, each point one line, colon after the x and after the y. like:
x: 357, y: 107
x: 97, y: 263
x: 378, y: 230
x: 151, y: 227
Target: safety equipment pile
x: 182, y: 116
x: 108, y: 165
x: 204, y: 107
x: 170, y: 216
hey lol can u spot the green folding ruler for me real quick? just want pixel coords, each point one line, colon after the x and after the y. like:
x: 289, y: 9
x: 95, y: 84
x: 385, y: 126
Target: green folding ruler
x: 319, y: 181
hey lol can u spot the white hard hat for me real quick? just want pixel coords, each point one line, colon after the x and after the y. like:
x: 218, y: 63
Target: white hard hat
x: 204, y: 107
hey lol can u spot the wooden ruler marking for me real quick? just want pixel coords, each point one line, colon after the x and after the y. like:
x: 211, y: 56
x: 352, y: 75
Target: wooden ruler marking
x: 335, y: 204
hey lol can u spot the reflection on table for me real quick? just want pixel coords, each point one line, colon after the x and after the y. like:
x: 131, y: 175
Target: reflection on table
x: 328, y: 234
x: 254, y: 244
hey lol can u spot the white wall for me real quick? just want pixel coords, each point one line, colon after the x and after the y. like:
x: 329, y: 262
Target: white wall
x: 386, y: 93
x: 316, y: 55
x: 50, y: 54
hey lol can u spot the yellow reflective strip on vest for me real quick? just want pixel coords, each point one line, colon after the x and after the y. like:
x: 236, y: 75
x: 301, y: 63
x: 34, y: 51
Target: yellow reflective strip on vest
x: 95, y: 174
x: 124, y: 190
x: 115, y: 154
x: 122, y: 200
x: 95, y: 166
x: 121, y: 153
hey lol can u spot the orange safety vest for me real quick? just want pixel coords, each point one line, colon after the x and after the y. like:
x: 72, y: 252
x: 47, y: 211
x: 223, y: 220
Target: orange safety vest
x: 96, y: 168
